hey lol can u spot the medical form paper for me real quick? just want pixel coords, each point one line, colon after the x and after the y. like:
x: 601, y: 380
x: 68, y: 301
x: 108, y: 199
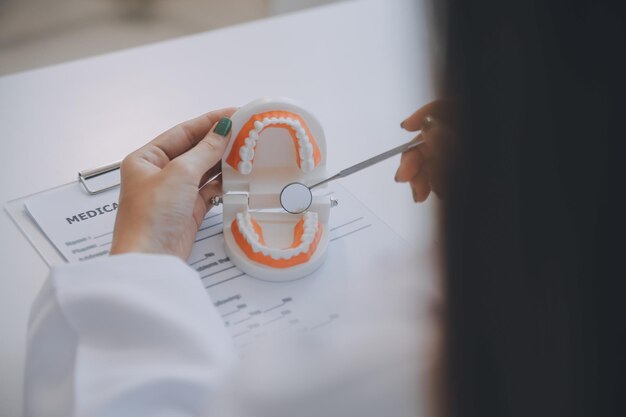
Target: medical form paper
x: 363, y: 252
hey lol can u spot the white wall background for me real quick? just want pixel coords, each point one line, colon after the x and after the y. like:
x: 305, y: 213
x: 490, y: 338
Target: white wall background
x: 36, y: 33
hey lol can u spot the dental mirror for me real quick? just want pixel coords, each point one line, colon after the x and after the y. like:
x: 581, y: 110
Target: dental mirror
x: 296, y: 197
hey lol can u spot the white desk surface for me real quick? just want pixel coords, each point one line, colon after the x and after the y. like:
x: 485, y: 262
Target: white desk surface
x: 360, y: 66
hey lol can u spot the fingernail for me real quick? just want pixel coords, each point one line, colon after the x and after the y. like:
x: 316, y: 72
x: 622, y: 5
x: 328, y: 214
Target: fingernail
x: 223, y: 126
x: 402, y: 124
x: 414, y: 195
x: 395, y: 178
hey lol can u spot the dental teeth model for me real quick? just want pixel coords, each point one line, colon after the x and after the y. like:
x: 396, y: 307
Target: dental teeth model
x: 274, y: 142
x: 249, y: 236
x: 307, y: 150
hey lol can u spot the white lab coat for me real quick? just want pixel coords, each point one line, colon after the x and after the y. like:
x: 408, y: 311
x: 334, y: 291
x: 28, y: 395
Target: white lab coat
x: 136, y: 335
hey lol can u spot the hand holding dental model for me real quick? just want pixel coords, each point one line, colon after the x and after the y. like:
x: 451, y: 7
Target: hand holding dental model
x: 161, y: 205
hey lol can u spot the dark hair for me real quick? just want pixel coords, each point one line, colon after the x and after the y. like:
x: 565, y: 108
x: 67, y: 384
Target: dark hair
x: 533, y: 220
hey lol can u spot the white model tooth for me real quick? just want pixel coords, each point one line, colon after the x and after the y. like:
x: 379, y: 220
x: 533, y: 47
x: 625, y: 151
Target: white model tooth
x: 307, y: 166
x: 243, y: 153
x: 247, y: 154
x: 267, y: 121
x: 273, y: 120
x: 256, y: 247
x: 245, y: 167
x: 258, y: 126
x: 246, y: 233
x: 249, y: 141
x: 300, y: 133
x: 254, y: 135
x: 292, y: 123
x: 303, y: 140
x: 306, y: 150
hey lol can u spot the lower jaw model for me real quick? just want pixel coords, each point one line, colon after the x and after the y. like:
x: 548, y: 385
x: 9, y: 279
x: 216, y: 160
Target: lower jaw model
x: 274, y: 142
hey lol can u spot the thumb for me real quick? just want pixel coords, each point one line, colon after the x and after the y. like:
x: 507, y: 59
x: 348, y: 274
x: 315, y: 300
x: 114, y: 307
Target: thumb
x: 208, y: 151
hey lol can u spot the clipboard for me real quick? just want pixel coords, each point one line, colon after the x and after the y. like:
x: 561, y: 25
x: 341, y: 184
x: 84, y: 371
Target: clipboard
x: 92, y: 182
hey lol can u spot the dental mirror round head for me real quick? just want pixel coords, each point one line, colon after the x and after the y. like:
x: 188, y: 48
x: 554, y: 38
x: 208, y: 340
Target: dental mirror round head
x: 296, y: 198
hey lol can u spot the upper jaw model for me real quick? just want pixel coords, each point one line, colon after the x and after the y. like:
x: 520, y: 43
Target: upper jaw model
x: 274, y: 143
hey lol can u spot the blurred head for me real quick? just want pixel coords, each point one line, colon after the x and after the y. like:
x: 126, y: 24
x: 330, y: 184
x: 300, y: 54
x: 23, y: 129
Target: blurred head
x: 533, y: 218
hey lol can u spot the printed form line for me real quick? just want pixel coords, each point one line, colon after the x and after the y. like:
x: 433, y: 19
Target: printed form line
x: 102, y: 235
x: 349, y: 233
x: 217, y: 272
x: 211, y: 216
x: 199, y: 260
x: 208, y: 227
x: 208, y: 237
x: 345, y: 224
x: 226, y: 280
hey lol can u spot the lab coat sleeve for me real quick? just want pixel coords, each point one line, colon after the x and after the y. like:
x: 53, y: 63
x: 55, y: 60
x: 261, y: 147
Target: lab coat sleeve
x: 124, y: 336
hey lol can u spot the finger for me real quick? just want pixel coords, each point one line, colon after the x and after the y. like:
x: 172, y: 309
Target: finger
x: 180, y: 138
x: 436, y: 180
x: 420, y: 186
x: 437, y: 109
x: 427, y: 149
x: 211, y: 174
x: 203, y: 202
x: 209, y: 191
x: 410, y: 163
x: 206, y: 153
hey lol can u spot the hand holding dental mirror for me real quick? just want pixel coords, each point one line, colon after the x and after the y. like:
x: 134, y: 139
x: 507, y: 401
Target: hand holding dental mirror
x: 296, y: 197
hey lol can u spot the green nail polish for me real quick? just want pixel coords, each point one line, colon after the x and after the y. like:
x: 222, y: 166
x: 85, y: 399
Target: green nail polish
x: 223, y: 126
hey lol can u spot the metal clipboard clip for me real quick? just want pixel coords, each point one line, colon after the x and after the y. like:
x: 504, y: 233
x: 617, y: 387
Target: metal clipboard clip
x: 85, y: 175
